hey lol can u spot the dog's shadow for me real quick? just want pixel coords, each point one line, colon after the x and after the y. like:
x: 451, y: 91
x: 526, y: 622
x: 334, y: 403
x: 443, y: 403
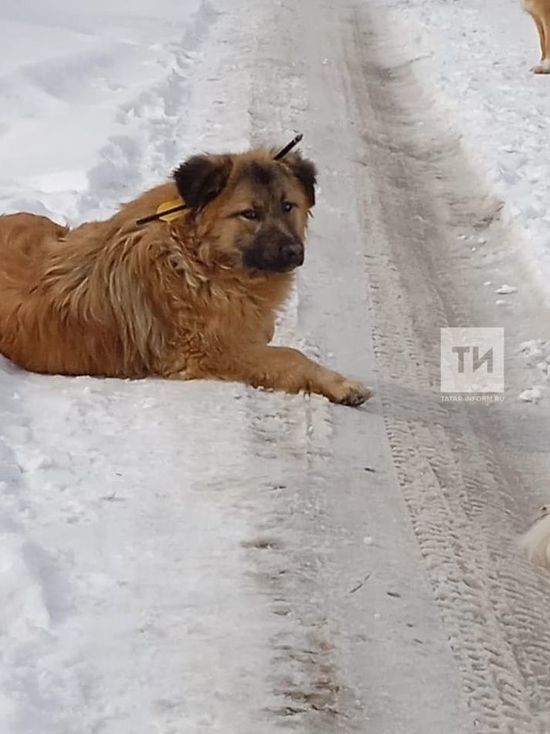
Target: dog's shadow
x: 503, y: 423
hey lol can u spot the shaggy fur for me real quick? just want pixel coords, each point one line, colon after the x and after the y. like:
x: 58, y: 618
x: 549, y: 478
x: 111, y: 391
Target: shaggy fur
x: 536, y: 541
x: 539, y: 10
x: 192, y: 298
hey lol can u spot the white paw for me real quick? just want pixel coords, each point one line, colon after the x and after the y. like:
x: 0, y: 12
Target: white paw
x: 536, y: 541
x: 542, y: 68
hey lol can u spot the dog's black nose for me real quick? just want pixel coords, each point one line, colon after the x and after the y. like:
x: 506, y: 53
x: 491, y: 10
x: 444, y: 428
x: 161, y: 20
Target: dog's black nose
x: 291, y: 253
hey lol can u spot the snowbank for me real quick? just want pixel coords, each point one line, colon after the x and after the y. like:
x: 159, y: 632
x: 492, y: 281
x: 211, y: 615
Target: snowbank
x: 77, y: 82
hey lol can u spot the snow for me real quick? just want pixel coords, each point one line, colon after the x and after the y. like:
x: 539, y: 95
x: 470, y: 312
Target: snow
x: 531, y: 394
x: 506, y: 289
x: 475, y: 56
x: 536, y: 354
x: 81, y: 88
x: 104, y: 557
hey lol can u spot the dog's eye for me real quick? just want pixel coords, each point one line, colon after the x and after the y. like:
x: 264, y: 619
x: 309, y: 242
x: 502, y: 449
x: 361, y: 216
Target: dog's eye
x: 288, y: 206
x: 249, y: 214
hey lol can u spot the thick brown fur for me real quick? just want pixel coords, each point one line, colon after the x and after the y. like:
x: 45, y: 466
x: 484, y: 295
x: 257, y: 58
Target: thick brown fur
x: 539, y: 10
x: 187, y: 299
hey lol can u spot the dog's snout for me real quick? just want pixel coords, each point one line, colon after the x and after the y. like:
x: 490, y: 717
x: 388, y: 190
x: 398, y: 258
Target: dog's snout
x: 291, y: 253
x: 276, y: 252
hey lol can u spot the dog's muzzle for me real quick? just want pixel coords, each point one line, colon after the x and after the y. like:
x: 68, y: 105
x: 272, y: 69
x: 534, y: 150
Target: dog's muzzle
x: 291, y: 254
x: 280, y: 256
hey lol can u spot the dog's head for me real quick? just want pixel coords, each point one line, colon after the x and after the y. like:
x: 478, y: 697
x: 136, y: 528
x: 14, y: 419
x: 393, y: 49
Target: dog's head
x: 251, y: 208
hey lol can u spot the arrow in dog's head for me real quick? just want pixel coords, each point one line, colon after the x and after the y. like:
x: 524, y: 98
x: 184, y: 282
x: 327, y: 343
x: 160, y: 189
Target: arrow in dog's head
x: 201, y: 178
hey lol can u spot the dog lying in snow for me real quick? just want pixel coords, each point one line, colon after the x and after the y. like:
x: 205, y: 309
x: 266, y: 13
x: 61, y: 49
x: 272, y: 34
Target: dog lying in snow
x: 193, y: 297
x: 536, y: 541
x: 539, y: 10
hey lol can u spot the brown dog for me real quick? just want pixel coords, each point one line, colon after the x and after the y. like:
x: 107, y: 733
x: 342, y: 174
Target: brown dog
x: 539, y: 10
x: 191, y: 298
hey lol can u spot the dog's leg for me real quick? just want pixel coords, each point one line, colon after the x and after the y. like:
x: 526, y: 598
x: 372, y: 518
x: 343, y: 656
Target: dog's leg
x: 540, y: 29
x: 281, y: 368
x: 545, y: 63
x: 536, y: 541
x: 269, y: 330
x: 543, y: 27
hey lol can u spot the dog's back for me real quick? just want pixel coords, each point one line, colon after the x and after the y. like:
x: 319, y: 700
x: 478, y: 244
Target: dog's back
x: 24, y: 239
x: 23, y: 236
x: 59, y: 311
x: 24, y: 242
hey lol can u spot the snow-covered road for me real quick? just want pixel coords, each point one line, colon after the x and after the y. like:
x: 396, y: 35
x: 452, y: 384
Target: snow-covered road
x: 199, y: 558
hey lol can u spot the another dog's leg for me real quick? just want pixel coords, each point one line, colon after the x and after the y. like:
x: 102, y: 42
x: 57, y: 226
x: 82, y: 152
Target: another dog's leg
x: 281, y: 368
x: 536, y: 541
x: 540, y: 29
x: 543, y: 27
x: 545, y: 63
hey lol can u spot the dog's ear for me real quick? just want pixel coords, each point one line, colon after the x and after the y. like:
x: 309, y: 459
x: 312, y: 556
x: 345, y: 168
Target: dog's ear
x: 201, y: 178
x: 305, y: 172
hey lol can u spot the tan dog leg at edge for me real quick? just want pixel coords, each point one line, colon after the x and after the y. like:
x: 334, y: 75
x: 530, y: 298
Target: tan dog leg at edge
x: 543, y: 27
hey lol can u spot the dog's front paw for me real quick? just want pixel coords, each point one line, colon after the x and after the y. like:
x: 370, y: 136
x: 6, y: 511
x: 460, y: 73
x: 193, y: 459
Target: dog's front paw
x: 349, y: 392
x: 355, y: 394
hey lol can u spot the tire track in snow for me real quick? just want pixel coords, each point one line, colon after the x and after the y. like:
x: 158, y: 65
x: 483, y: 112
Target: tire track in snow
x: 291, y: 551
x: 457, y: 480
